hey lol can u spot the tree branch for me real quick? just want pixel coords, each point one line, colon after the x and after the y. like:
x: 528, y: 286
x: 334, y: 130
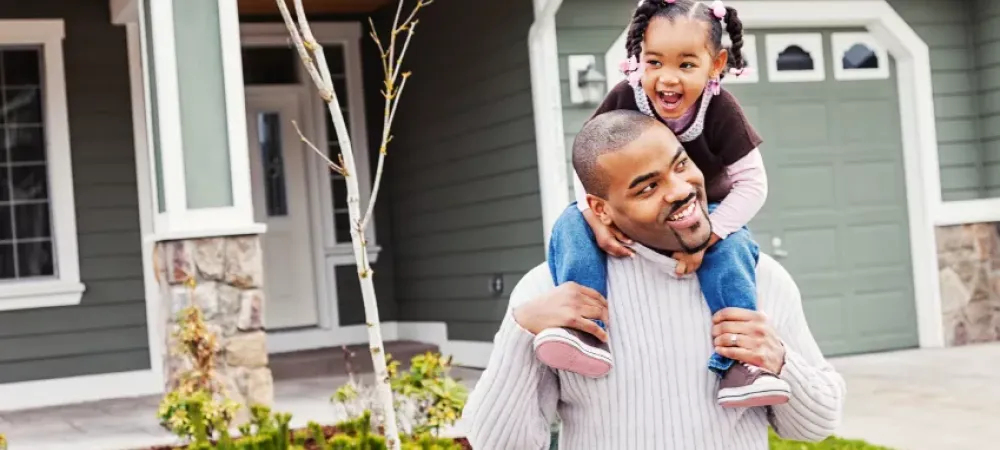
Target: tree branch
x: 332, y: 165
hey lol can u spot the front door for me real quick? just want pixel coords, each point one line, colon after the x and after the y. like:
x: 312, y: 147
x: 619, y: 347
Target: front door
x: 280, y: 198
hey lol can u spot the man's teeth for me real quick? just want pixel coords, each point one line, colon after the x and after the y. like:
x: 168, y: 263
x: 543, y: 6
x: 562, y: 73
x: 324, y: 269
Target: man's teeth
x: 683, y: 213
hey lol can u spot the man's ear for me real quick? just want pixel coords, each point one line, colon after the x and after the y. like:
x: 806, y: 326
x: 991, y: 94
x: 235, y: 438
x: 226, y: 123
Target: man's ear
x: 600, y: 208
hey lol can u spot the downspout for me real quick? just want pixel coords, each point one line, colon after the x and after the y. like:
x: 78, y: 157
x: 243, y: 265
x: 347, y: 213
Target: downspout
x: 547, y: 105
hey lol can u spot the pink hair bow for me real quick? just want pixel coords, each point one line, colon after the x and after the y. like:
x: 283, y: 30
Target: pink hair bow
x: 739, y: 72
x: 718, y: 9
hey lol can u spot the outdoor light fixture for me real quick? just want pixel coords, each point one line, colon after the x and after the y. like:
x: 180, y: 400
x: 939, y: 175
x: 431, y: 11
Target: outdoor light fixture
x: 587, y: 86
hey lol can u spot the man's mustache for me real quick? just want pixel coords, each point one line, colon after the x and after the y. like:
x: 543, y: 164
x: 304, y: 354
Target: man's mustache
x: 676, y: 206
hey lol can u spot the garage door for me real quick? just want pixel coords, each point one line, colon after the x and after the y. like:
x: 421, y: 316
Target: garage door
x: 836, y: 215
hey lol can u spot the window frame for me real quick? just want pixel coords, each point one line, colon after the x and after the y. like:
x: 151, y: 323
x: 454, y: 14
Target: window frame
x: 749, y: 51
x: 64, y: 288
x: 841, y: 42
x: 812, y: 43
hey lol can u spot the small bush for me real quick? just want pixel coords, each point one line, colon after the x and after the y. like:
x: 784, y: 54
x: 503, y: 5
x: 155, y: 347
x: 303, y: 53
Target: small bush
x: 427, y: 398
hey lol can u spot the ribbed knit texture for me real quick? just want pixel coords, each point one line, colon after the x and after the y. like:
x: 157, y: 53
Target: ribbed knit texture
x: 660, y: 394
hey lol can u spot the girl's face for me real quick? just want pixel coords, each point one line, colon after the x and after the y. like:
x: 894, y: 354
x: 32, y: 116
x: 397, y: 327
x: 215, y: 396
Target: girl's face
x: 678, y: 61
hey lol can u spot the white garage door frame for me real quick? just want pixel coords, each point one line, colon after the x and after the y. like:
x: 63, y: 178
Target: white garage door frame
x: 916, y: 107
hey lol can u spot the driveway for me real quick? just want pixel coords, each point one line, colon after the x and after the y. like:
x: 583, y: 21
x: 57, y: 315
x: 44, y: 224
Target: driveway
x: 930, y: 399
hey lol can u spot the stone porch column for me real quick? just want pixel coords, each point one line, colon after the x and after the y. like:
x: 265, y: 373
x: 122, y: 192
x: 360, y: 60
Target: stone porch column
x: 199, y: 181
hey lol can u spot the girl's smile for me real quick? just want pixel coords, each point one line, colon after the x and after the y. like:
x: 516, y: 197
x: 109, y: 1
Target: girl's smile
x: 679, y: 62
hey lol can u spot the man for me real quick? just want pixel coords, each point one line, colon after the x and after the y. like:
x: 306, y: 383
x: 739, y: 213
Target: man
x: 660, y: 395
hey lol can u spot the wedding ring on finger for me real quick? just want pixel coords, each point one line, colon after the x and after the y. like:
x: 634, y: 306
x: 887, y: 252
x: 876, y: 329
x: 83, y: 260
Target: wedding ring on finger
x: 732, y: 340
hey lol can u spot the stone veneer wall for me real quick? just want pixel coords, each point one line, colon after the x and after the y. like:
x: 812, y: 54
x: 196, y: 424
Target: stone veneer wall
x: 228, y: 272
x: 969, y: 269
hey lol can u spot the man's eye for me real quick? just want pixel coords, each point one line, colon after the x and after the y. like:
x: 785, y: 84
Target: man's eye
x: 649, y: 188
x: 681, y: 166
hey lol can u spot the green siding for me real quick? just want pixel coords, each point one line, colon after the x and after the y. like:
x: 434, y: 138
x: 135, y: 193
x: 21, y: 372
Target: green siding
x: 591, y: 26
x: 987, y: 42
x: 462, y: 171
x: 107, y: 331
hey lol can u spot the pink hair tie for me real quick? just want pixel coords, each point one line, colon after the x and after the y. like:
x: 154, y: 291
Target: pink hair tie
x: 669, y: 1
x: 718, y: 9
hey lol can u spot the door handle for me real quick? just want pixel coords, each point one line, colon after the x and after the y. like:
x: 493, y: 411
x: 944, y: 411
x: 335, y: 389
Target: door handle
x: 776, y: 248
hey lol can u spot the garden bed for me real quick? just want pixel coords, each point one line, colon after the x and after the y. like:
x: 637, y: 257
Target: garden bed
x: 310, y: 444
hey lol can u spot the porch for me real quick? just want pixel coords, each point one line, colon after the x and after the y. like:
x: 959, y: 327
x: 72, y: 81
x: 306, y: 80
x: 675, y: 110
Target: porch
x: 182, y: 143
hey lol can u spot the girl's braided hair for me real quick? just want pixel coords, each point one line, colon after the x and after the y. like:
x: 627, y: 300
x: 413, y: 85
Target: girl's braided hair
x: 650, y: 9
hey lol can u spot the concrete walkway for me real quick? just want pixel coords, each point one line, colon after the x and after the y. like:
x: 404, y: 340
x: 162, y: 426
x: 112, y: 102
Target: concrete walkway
x: 924, y: 399
x: 909, y: 400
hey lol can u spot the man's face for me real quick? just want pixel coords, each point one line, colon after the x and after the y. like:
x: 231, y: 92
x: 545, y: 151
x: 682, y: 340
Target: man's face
x: 655, y: 194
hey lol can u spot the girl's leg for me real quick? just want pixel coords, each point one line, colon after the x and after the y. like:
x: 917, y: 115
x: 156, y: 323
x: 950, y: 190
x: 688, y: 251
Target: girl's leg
x: 574, y: 256
x: 728, y: 278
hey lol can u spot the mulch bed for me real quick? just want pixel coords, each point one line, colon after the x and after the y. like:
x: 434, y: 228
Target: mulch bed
x: 310, y: 444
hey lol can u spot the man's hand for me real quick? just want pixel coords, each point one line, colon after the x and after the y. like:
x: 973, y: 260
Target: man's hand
x: 609, y: 237
x: 688, y: 262
x: 756, y: 341
x: 569, y: 305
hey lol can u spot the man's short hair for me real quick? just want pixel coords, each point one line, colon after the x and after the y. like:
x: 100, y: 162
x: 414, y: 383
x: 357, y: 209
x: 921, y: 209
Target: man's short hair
x: 603, y: 134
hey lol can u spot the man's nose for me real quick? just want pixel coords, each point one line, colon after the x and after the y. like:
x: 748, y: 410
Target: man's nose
x: 676, y: 191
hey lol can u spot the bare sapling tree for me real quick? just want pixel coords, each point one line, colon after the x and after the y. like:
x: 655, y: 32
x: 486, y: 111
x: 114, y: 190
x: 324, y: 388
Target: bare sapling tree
x: 312, y: 56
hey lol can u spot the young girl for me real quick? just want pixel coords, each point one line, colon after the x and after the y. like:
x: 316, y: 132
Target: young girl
x: 676, y: 61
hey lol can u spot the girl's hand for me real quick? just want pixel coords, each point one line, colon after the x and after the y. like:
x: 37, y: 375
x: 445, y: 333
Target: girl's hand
x: 688, y: 262
x: 609, y: 238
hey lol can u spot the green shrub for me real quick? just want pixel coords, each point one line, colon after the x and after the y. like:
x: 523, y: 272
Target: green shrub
x: 831, y: 443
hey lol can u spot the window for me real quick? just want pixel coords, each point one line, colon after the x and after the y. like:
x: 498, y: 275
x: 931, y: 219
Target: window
x: 795, y: 57
x: 38, y: 253
x: 338, y: 186
x: 857, y: 56
x: 749, y: 50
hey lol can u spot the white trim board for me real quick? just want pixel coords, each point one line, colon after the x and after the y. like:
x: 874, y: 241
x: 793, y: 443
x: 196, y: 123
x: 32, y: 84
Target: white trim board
x: 916, y: 107
x: 546, y: 98
x: 87, y: 388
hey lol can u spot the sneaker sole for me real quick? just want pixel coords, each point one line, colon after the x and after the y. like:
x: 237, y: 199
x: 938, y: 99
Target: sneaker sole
x: 753, y: 399
x: 560, y: 353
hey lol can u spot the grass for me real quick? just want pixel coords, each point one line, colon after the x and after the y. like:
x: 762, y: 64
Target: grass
x: 832, y: 443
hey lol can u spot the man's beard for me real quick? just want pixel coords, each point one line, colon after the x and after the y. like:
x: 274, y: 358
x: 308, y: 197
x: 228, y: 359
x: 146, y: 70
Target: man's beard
x: 689, y: 248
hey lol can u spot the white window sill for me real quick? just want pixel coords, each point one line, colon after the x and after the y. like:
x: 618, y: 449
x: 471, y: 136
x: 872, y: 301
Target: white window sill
x: 39, y: 294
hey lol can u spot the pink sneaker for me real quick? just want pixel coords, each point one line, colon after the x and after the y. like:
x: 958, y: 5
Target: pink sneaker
x: 747, y: 386
x: 573, y: 351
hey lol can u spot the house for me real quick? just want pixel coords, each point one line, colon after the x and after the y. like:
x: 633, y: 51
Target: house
x: 149, y: 140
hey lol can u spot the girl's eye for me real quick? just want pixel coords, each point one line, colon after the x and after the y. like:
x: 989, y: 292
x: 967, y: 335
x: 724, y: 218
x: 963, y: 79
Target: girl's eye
x: 653, y: 63
x: 687, y: 65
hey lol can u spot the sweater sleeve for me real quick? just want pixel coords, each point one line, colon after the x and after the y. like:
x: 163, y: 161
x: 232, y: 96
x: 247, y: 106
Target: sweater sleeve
x: 514, y: 402
x: 815, y: 408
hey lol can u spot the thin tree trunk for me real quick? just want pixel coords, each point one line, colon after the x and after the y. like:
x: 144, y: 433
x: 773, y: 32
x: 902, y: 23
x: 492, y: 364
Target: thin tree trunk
x: 314, y: 60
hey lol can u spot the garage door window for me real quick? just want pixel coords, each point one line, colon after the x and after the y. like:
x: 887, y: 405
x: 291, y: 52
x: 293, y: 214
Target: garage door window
x: 857, y: 56
x: 795, y: 57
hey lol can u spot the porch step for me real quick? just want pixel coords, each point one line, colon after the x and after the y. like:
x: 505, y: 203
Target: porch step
x: 332, y: 361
